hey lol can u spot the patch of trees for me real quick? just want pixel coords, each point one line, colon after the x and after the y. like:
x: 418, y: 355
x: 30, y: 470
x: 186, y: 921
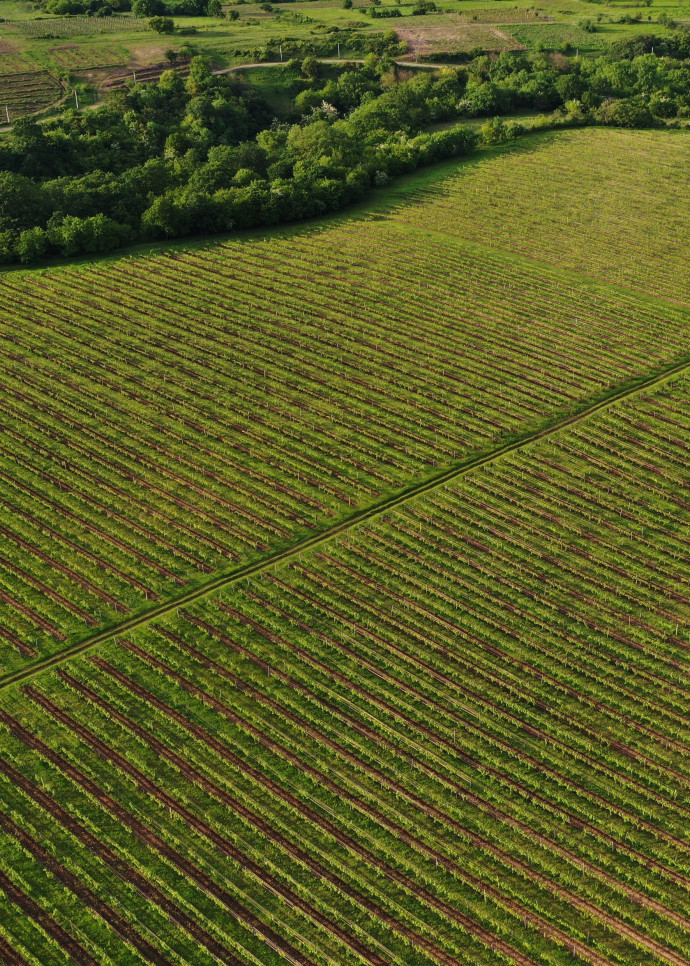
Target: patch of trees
x: 630, y: 87
x: 332, y: 41
x: 176, y: 8
x: 86, y: 8
x: 205, y: 154
x: 146, y: 9
x: 384, y: 13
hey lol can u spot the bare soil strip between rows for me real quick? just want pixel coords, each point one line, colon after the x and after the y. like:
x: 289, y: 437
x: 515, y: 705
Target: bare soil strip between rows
x: 460, y: 469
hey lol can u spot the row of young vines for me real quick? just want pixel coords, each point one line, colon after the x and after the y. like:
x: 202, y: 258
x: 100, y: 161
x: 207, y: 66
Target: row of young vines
x: 457, y: 735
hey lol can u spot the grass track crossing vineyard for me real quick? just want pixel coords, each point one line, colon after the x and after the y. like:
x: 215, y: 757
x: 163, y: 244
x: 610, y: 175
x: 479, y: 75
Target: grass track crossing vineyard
x: 163, y: 416
x: 454, y: 728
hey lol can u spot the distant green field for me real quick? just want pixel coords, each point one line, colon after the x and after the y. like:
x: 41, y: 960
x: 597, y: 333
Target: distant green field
x: 556, y: 35
x: 95, y: 43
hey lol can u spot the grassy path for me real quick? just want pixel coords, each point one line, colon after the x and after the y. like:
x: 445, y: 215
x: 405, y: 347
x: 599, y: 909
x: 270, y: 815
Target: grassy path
x: 458, y: 470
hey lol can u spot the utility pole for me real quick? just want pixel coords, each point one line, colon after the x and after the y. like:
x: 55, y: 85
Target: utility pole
x: 134, y: 75
x: 76, y: 98
x: 281, y: 53
x: 338, y: 51
x: 7, y: 111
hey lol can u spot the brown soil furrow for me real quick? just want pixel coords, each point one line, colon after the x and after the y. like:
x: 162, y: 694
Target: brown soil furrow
x: 529, y: 793
x: 601, y: 739
x: 99, y: 483
x: 494, y: 942
x: 26, y: 650
x: 46, y: 591
x: 33, y: 911
x: 150, y: 838
x: 179, y: 457
x: 123, y: 472
x: 85, y: 895
x: 100, y: 562
x: 63, y: 569
x: 482, y: 887
x: 534, y: 732
x: 127, y: 453
x: 91, y: 527
x: 222, y: 844
x: 33, y: 616
x: 124, y: 870
x: 485, y: 806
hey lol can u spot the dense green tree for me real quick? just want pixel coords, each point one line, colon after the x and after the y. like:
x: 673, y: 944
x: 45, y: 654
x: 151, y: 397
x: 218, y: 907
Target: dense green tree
x: 310, y: 68
x: 149, y: 8
x: 162, y: 25
x: 629, y: 112
x: 22, y: 202
x: 31, y: 245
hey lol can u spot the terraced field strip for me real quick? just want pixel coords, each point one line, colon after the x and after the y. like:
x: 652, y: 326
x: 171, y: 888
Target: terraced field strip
x: 24, y: 93
x: 437, y: 480
x: 73, y: 26
x: 77, y: 57
x: 12, y: 60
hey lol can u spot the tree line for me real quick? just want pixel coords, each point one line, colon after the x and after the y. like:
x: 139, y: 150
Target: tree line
x: 205, y: 154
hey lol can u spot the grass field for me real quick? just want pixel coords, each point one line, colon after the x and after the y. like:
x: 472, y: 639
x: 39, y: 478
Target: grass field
x: 574, y: 220
x: 75, y: 57
x: 168, y: 416
x: 556, y: 35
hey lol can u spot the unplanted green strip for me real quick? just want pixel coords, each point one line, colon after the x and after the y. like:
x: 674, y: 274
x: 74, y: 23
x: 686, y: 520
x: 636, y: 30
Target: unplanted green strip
x: 460, y: 469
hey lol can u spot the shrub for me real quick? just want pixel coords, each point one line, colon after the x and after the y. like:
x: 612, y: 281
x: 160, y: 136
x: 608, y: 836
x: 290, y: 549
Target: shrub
x: 162, y: 25
x: 31, y: 245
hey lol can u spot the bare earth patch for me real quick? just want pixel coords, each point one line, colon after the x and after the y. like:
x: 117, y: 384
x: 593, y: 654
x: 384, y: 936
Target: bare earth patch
x: 454, y: 35
x: 143, y: 75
